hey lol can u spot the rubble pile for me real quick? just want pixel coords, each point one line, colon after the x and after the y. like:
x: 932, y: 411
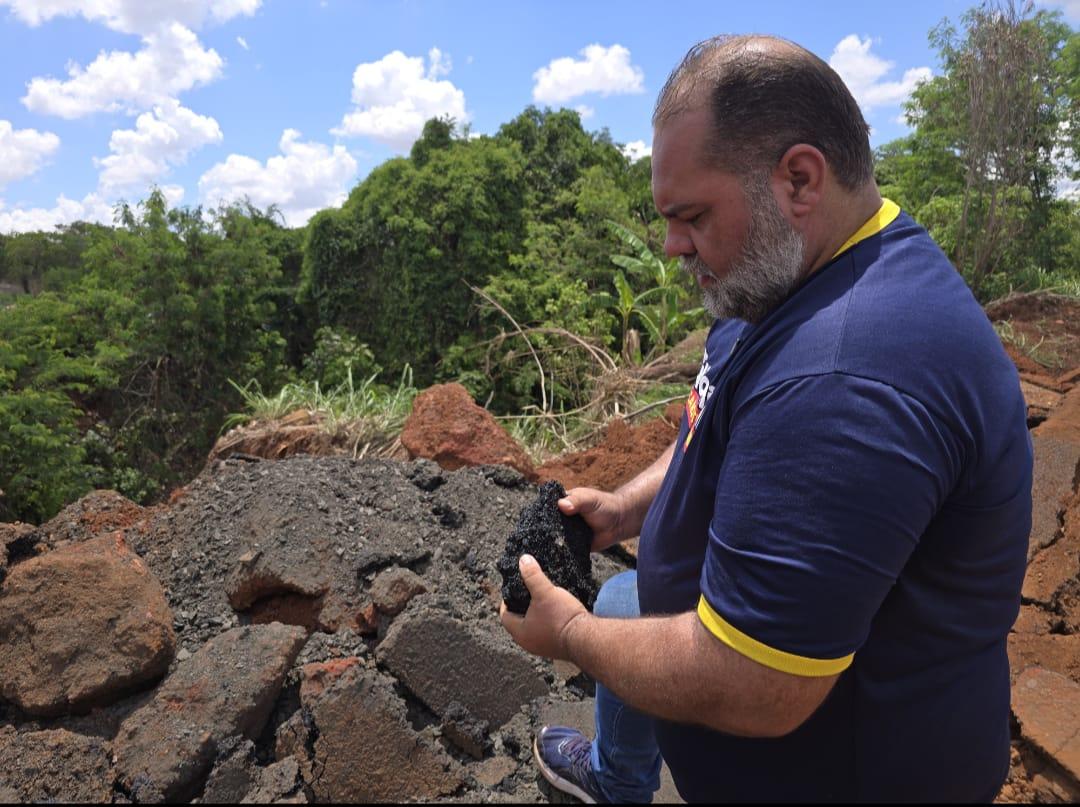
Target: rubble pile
x: 309, y: 629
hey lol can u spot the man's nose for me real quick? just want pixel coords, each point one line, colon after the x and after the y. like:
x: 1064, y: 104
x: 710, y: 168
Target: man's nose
x: 677, y: 243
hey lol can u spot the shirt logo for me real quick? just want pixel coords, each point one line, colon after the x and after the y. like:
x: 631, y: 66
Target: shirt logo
x: 699, y: 396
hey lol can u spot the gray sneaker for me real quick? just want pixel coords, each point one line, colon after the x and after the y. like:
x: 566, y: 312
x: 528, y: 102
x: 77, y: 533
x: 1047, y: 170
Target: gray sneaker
x: 564, y: 757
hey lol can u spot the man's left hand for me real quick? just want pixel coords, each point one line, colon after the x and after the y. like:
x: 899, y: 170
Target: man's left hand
x: 544, y: 629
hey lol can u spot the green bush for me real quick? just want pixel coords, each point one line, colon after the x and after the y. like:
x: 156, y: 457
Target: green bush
x: 337, y: 356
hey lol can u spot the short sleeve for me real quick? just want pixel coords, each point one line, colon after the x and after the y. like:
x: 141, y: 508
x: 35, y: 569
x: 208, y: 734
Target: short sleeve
x: 827, y: 485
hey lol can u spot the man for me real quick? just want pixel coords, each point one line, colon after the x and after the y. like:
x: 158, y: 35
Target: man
x: 832, y: 551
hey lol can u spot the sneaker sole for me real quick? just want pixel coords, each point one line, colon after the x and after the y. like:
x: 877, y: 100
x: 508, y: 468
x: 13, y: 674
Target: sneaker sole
x: 557, y: 781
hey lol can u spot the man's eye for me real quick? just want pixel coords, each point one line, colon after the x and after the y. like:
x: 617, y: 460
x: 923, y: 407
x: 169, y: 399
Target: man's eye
x: 696, y: 218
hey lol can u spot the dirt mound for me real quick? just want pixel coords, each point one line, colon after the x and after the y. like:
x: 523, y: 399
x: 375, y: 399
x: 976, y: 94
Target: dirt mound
x: 1044, y: 646
x: 383, y: 568
x: 447, y: 426
x: 623, y: 453
x: 248, y: 534
x: 96, y: 513
x: 1041, y: 333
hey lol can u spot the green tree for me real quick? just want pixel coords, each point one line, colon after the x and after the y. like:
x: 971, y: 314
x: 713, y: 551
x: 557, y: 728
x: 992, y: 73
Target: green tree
x: 54, y: 354
x: 981, y: 164
x: 392, y: 266
x: 202, y: 290
x: 27, y: 256
x: 557, y: 151
x: 127, y: 367
x: 45, y: 261
x: 662, y: 306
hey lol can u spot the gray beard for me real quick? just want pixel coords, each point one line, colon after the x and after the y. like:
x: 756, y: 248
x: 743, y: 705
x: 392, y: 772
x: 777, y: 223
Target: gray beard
x: 767, y: 270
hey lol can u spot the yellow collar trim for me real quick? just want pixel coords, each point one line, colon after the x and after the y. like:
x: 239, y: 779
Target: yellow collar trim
x: 885, y: 216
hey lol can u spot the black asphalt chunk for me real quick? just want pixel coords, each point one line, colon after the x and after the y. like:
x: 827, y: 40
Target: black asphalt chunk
x: 560, y: 545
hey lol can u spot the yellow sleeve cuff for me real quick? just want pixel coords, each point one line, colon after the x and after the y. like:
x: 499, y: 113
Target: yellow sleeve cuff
x: 765, y: 655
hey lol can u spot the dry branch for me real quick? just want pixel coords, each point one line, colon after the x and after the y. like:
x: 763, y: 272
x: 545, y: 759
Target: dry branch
x: 539, y: 366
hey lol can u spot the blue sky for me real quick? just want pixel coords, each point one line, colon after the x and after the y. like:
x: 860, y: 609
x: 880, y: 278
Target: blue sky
x: 294, y: 101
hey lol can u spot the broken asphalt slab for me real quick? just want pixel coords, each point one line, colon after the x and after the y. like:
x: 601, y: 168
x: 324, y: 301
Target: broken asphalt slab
x: 165, y: 749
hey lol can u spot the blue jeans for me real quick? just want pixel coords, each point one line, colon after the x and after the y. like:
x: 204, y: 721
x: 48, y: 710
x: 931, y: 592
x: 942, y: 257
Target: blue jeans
x: 625, y: 756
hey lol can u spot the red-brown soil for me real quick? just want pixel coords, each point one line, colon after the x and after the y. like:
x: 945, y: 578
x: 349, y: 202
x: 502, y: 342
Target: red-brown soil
x: 1045, y: 336
x: 447, y: 426
x: 1041, y: 333
x: 621, y: 455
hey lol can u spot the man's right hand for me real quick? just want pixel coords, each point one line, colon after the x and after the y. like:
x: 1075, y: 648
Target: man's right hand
x: 604, y: 512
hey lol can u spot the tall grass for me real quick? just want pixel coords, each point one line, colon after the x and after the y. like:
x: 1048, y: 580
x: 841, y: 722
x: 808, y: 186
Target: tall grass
x: 546, y: 435
x: 1039, y: 352
x: 366, y: 411
x: 1028, y: 279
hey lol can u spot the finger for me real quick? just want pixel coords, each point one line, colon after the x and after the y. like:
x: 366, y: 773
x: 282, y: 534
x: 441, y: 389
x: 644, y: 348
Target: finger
x: 579, y: 501
x: 535, y: 579
x: 510, y: 621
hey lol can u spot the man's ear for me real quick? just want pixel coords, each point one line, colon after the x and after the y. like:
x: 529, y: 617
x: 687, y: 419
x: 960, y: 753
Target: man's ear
x: 800, y: 176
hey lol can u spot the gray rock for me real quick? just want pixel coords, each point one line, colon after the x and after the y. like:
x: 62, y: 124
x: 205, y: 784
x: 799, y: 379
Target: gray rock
x: 166, y: 748
x: 53, y: 766
x: 356, y: 744
x: 233, y: 774
x: 443, y: 660
x: 279, y: 783
x: 392, y: 589
x: 1056, y: 463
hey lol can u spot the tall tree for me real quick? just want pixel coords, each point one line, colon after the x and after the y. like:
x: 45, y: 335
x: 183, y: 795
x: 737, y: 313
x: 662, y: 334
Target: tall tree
x: 391, y: 266
x: 988, y: 130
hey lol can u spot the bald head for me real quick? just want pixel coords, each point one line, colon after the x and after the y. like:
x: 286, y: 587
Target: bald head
x: 763, y: 95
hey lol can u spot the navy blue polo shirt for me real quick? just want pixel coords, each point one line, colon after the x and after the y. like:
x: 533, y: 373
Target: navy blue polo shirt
x: 851, y: 493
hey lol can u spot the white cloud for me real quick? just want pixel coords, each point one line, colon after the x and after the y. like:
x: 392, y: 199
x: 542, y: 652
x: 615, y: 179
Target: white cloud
x: 636, y: 149
x: 584, y: 111
x: 1065, y: 166
x: 172, y: 61
x: 395, y: 96
x: 440, y: 64
x: 160, y: 140
x: 303, y: 179
x: 133, y: 16
x: 66, y: 211
x: 242, y: 43
x: 863, y: 72
x: 1070, y: 7
x: 1069, y: 189
x: 23, y: 151
x: 607, y: 71
x: 174, y: 194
